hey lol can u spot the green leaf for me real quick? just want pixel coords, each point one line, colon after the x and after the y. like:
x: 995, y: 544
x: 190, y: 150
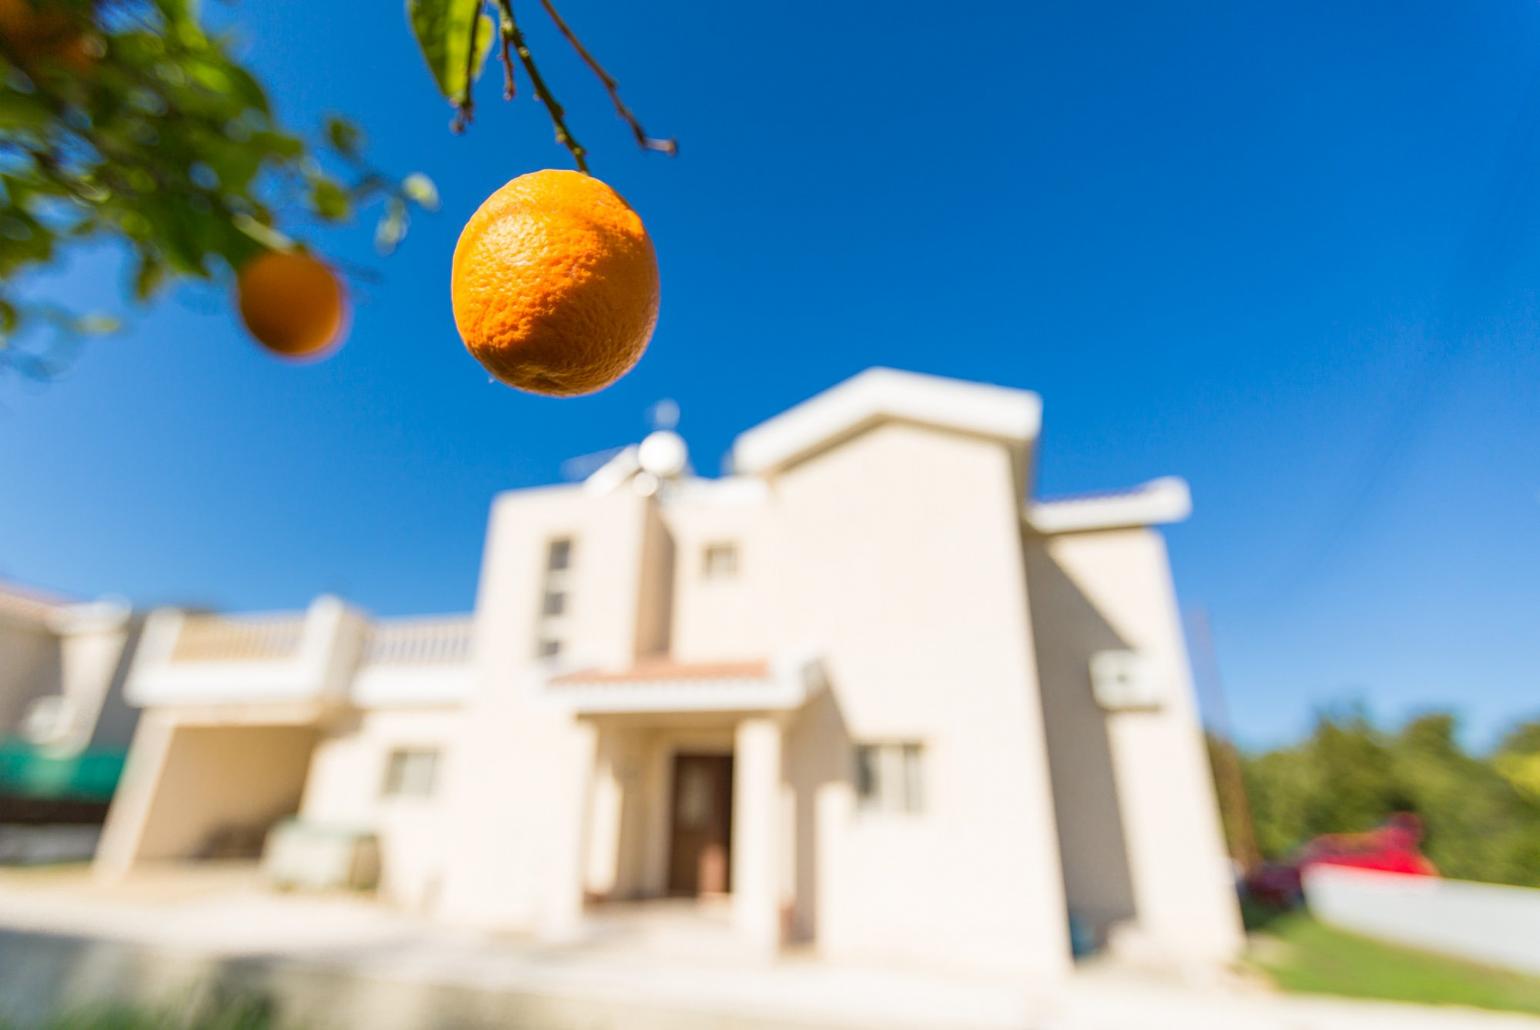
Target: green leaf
x: 344, y: 137
x: 330, y: 200
x: 148, y: 277
x: 443, y: 29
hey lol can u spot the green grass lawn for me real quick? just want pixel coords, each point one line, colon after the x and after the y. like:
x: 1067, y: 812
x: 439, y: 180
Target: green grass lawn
x: 1301, y: 954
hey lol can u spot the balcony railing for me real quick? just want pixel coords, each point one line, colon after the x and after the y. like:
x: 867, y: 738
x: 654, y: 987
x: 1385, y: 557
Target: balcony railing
x: 328, y: 655
x: 444, y: 640
x: 223, y: 638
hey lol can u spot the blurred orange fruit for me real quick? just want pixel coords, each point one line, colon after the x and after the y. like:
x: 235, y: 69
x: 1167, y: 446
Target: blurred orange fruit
x: 292, y: 303
x: 555, y: 284
x: 36, y: 33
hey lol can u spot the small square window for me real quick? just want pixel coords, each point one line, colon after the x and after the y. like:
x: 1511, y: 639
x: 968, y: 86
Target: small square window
x: 558, y: 555
x: 890, y: 777
x: 720, y: 561
x: 548, y: 648
x: 411, y: 773
x: 554, y: 603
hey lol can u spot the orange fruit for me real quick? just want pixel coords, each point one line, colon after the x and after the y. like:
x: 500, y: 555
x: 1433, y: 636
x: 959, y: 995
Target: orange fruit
x: 555, y: 284
x: 39, y: 33
x: 292, y: 303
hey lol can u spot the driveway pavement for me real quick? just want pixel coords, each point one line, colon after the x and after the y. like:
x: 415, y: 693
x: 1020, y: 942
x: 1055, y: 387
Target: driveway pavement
x: 344, y: 961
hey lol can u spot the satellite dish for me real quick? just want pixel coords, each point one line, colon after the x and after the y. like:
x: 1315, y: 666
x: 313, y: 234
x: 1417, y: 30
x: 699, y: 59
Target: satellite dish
x: 663, y: 454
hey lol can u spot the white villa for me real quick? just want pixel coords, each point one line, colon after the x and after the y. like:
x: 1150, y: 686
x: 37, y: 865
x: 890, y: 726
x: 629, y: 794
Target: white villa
x: 863, y: 696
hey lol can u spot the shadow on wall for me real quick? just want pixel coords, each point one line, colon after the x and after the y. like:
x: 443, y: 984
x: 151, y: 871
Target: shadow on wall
x: 116, y: 720
x: 818, y: 755
x: 1067, y: 629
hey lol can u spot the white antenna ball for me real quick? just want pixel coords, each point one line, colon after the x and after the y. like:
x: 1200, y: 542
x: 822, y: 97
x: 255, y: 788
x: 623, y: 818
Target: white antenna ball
x: 663, y: 453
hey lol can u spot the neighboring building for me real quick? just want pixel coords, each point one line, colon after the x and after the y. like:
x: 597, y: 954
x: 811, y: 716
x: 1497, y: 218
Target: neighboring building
x: 861, y: 686
x: 64, y: 724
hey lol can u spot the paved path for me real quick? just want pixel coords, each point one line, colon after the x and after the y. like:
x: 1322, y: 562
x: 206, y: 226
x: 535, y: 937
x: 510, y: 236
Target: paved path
x: 342, y: 961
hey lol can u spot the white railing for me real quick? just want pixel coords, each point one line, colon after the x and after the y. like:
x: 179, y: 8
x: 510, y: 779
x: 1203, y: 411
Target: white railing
x: 224, y: 638
x: 442, y: 640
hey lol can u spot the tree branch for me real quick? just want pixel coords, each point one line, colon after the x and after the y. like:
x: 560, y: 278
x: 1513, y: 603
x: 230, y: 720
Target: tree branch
x: 505, y: 52
x: 511, y: 33
x: 646, y: 142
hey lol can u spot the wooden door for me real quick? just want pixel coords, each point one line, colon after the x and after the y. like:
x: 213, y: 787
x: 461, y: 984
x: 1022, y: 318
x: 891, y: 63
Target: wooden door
x: 700, y: 850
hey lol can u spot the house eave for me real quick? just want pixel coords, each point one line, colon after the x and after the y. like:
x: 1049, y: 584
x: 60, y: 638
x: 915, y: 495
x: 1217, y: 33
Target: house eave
x: 882, y: 394
x: 1158, y: 502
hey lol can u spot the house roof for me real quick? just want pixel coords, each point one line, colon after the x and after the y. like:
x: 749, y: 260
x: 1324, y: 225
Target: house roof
x: 882, y: 394
x: 662, y: 685
x: 23, y: 604
x: 1154, y: 503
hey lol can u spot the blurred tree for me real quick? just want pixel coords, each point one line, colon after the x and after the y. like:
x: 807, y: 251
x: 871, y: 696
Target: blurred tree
x: 1475, y: 822
x: 1518, y: 759
x: 1482, y: 821
x: 128, y: 122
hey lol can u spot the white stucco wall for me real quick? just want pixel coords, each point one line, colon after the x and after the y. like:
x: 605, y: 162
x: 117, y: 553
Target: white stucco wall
x: 345, y: 788
x: 898, y: 558
x: 1067, y: 629
x: 1482, y: 922
x: 29, y: 668
x: 1115, y: 586
x: 721, y: 618
x: 93, y: 647
x: 517, y: 852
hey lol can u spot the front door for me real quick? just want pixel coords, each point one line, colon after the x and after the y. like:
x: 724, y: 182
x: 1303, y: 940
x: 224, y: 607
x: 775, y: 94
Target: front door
x: 699, y: 856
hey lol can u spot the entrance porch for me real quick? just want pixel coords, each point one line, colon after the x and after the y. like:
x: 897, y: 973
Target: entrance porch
x: 689, y: 808
x: 686, y: 796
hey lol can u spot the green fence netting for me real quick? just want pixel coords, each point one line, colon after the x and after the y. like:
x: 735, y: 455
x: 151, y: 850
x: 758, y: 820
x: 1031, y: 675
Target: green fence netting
x: 29, y: 771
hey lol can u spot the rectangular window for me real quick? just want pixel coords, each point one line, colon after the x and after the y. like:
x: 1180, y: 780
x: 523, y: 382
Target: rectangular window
x: 720, y: 560
x: 558, y: 555
x: 554, y: 603
x: 548, y: 648
x: 411, y: 772
x: 890, y: 777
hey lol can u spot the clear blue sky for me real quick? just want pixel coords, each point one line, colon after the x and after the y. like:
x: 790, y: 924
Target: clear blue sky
x: 1290, y: 252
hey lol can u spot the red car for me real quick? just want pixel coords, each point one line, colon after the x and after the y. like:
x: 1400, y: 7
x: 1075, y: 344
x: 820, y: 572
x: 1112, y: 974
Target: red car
x: 1391, y: 848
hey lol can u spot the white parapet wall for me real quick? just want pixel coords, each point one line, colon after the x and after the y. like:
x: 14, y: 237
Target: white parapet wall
x: 1481, y: 922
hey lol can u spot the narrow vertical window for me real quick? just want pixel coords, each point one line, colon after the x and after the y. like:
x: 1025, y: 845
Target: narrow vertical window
x: 555, y: 598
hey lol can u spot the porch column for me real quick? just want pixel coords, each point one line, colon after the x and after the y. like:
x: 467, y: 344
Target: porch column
x: 566, y: 809
x: 756, y: 850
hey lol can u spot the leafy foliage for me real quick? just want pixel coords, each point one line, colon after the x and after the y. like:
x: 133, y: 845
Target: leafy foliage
x: 443, y: 31
x: 1481, y: 814
x: 455, y: 37
x: 127, y: 120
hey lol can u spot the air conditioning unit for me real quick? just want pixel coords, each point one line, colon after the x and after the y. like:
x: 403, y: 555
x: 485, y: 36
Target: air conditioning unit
x: 1124, y: 680
x: 317, y: 856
